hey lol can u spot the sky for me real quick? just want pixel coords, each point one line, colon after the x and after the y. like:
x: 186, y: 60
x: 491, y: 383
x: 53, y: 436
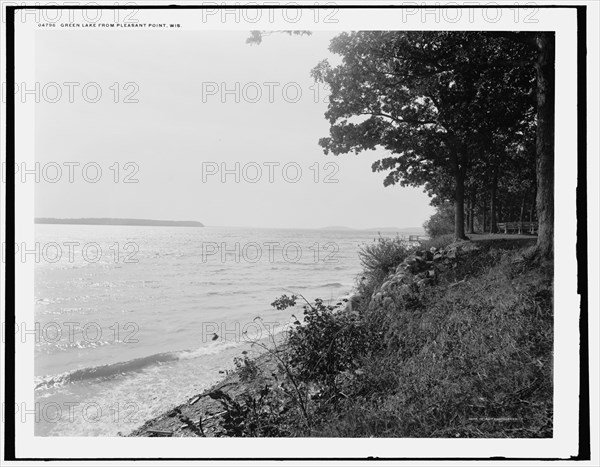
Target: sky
x: 199, y: 125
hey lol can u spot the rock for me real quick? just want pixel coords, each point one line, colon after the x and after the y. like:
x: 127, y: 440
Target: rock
x: 401, y: 279
x: 396, y: 279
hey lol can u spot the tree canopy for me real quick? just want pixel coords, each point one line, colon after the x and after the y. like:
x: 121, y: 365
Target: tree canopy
x: 456, y: 111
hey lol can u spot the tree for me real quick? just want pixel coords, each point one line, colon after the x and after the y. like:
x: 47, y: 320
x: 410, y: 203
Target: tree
x: 441, y: 222
x: 543, y: 45
x: 433, y: 99
x: 545, y: 143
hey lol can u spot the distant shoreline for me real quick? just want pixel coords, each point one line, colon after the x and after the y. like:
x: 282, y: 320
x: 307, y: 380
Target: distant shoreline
x: 116, y: 221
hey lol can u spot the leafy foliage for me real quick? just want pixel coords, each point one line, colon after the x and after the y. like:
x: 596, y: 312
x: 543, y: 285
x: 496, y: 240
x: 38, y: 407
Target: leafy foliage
x: 256, y: 37
x: 284, y: 302
x: 383, y: 255
x: 252, y: 416
x: 245, y: 367
x: 441, y: 222
x: 326, y: 345
x: 378, y: 259
x: 443, y: 103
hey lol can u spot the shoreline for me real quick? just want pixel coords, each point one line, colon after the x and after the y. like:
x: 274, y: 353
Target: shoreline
x: 178, y: 421
x: 201, y: 409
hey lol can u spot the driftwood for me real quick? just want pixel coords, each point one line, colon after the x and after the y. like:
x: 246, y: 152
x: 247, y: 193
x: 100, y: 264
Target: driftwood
x: 214, y: 416
x: 194, y: 400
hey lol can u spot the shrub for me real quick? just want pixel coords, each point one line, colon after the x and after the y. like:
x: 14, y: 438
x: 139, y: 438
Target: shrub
x: 326, y: 345
x: 245, y: 367
x: 383, y: 255
x: 441, y: 222
x: 251, y: 416
x: 378, y: 259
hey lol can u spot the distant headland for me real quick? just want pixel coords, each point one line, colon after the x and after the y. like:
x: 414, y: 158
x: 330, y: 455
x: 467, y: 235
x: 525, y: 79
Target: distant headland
x: 116, y: 221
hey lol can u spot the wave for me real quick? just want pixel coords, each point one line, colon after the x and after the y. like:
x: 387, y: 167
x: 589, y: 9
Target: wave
x: 121, y: 368
x: 329, y: 285
x: 332, y: 284
x: 66, y: 346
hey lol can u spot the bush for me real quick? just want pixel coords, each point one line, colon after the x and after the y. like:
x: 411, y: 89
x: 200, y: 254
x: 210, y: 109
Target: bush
x: 383, y: 255
x: 252, y: 416
x: 378, y: 259
x: 441, y: 222
x: 326, y: 345
x: 245, y: 367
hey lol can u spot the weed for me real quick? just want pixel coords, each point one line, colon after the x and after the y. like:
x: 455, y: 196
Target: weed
x: 245, y: 367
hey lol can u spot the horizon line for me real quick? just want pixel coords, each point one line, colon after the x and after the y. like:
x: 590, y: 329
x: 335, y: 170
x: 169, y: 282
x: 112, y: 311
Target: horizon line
x: 328, y: 227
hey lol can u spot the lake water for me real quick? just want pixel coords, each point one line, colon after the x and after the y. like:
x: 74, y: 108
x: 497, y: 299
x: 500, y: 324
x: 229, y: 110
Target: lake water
x: 135, y: 320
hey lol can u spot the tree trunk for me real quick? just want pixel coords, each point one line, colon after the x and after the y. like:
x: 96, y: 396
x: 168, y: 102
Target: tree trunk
x: 484, y: 225
x: 499, y: 213
x: 468, y: 213
x: 532, y: 209
x: 522, y: 215
x: 460, y: 171
x: 459, y: 206
x: 545, y: 144
x: 471, y: 217
x: 493, y: 203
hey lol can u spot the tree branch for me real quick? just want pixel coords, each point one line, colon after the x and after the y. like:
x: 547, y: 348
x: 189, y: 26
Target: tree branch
x: 399, y: 120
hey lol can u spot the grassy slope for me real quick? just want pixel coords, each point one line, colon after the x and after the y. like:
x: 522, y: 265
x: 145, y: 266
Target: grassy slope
x: 460, y: 359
